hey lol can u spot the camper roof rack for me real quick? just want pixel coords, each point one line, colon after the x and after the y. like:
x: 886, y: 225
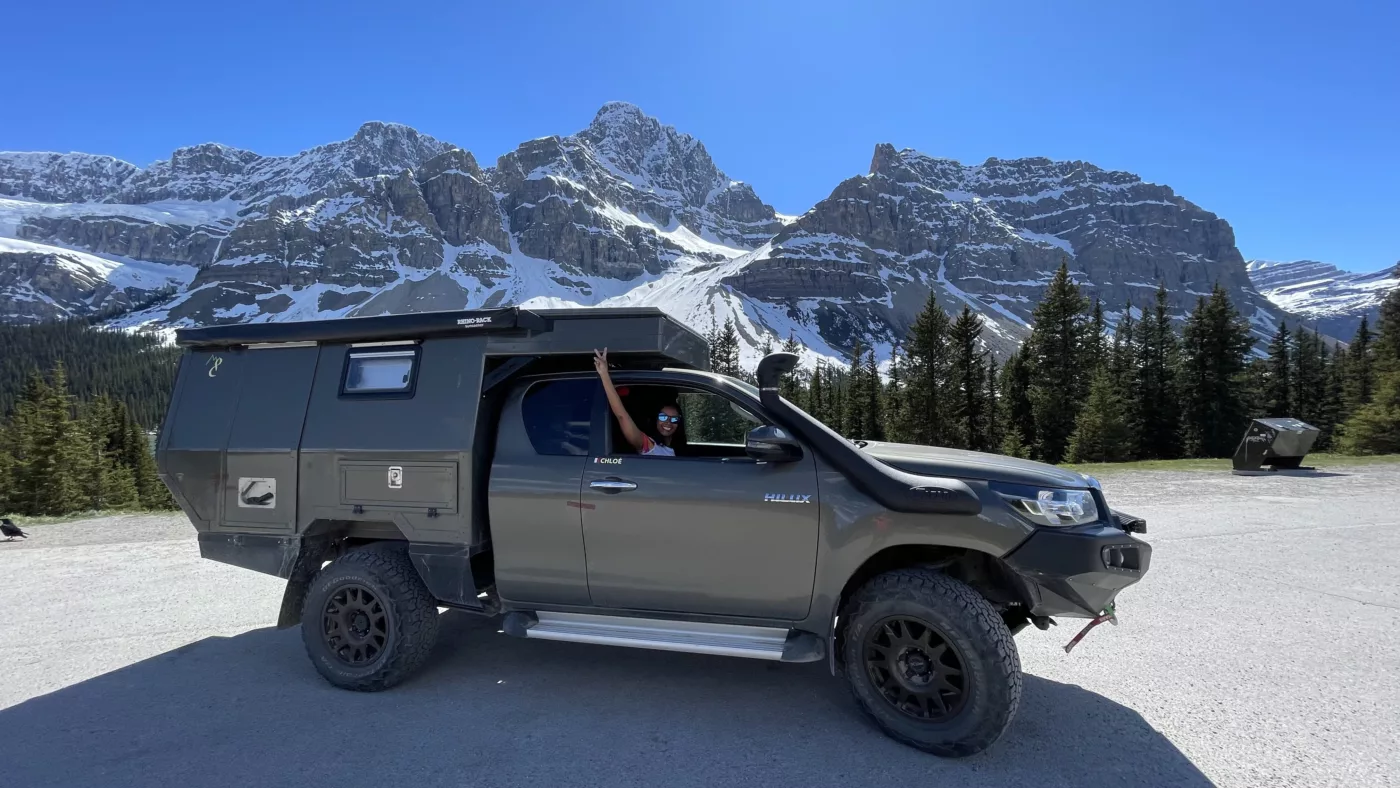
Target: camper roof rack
x: 642, y: 332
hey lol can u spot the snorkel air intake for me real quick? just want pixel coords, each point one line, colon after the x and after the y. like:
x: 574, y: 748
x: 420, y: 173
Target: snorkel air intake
x: 894, y: 489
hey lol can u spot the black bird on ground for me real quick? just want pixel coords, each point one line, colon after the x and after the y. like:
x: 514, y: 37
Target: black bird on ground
x: 9, y: 530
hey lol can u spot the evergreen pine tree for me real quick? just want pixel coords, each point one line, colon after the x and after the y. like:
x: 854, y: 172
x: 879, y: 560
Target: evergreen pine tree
x: 24, y: 438
x: 1375, y: 427
x: 817, y: 405
x: 1330, y: 404
x: 107, y: 483
x: 1388, y: 336
x: 7, y: 467
x: 1357, y: 369
x: 859, y: 391
x: 792, y: 386
x: 1306, y: 376
x: 61, y: 452
x: 1215, y: 343
x: 151, y: 491
x: 967, y: 382
x: 1058, y: 368
x: 995, y: 432
x: 1157, y: 416
x: 875, y: 398
x: 1101, y: 433
x: 1256, y: 388
x: 1124, y: 350
x: 1123, y: 366
x: 724, y: 351
x: 1096, y: 349
x: 836, y: 381
x: 894, y: 399
x: 1278, y: 390
x: 926, y: 375
x: 1017, y: 415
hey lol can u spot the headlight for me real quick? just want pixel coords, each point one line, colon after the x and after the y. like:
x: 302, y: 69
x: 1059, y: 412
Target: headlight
x: 1050, y: 506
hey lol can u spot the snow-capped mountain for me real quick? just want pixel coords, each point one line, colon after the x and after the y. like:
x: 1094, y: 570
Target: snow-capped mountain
x: 1324, y: 295
x: 627, y: 211
x: 40, y: 282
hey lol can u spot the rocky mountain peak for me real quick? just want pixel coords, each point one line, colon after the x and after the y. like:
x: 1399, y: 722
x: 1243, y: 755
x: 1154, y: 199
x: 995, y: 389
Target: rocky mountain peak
x: 211, y: 157
x: 654, y: 155
x: 886, y: 160
x: 61, y: 177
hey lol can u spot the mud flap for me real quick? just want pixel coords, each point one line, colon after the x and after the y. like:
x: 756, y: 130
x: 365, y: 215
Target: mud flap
x: 312, y: 553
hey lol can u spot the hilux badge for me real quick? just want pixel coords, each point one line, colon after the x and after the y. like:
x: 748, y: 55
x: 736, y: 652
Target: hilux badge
x: 786, y: 498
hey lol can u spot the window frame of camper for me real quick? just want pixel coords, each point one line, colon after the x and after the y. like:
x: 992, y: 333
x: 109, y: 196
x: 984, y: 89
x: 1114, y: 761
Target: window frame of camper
x: 412, y: 350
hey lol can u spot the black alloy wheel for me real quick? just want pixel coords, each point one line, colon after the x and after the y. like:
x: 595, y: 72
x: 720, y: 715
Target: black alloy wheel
x: 355, y: 625
x: 930, y: 661
x: 915, y: 669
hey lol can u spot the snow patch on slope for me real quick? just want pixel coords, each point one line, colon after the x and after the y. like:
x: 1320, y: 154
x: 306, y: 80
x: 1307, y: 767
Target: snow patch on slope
x: 119, y: 272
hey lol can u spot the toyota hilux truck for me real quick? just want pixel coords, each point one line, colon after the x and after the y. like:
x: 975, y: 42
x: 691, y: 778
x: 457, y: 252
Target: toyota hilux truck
x: 392, y: 467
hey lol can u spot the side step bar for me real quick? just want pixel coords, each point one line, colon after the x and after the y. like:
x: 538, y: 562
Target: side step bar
x: 727, y: 640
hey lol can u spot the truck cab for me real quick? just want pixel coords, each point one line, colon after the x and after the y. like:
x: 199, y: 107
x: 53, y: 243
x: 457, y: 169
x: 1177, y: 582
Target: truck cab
x: 389, y: 466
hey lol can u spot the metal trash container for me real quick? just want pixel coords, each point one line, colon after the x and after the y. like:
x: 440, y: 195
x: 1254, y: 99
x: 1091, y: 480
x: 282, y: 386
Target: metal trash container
x: 1277, y: 443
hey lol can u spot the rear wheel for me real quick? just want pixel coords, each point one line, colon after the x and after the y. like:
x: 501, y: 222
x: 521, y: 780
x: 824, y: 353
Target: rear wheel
x: 368, y: 621
x: 931, y: 662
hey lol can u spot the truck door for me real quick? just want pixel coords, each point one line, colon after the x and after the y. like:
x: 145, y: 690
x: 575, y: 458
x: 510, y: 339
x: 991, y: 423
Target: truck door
x: 708, y: 531
x: 541, y: 451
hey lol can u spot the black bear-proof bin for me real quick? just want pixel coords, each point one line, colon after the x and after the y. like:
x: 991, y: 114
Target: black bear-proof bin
x: 1278, y: 443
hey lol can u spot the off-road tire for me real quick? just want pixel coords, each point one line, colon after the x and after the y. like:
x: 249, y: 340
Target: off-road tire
x: 411, y: 612
x: 991, y: 664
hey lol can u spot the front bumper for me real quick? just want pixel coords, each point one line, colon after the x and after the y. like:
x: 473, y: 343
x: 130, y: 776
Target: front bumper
x: 1077, y: 572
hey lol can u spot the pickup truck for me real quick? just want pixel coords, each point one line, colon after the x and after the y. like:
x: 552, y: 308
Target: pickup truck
x: 391, y: 467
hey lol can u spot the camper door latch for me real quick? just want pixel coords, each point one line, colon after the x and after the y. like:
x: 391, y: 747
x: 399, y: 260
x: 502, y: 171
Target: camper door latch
x: 358, y: 509
x: 432, y: 512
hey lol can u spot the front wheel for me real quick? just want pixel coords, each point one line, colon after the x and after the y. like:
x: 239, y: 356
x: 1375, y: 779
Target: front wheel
x: 931, y: 662
x: 368, y: 621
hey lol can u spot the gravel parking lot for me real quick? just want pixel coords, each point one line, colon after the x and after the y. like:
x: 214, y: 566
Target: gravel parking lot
x: 1262, y: 649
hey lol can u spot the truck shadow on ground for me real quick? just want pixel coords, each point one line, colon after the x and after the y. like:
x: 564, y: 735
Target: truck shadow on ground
x: 494, y: 710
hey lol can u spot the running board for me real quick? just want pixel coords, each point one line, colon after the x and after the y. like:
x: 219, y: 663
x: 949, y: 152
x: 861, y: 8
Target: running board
x: 726, y: 640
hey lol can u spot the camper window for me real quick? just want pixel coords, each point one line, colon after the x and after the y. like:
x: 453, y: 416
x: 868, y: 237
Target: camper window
x: 380, y: 372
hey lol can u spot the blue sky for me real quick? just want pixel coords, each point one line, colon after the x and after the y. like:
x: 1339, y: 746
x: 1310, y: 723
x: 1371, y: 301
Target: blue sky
x: 1281, y: 117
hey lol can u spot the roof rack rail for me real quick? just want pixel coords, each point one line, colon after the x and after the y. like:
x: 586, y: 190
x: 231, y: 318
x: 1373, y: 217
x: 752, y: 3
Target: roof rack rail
x: 367, y: 329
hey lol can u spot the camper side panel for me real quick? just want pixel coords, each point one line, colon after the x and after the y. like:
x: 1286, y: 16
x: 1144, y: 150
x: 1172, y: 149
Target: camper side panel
x: 382, y: 448
x: 260, y: 494
x: 196, y: 429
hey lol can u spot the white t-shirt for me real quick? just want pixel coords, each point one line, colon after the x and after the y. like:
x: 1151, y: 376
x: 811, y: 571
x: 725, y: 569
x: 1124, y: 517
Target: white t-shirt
x: 654, y: 449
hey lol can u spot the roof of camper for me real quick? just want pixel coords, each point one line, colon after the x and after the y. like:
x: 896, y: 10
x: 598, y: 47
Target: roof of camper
x: 509, y: 331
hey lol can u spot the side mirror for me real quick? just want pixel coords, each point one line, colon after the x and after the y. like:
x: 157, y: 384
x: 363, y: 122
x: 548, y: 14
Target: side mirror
x: 772, y: 444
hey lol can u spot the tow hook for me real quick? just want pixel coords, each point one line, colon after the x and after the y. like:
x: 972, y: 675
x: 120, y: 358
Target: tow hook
x: 1107, y: 615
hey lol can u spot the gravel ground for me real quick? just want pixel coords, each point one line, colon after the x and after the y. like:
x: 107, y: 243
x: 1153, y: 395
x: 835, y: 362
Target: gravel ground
x: 1260, y: 650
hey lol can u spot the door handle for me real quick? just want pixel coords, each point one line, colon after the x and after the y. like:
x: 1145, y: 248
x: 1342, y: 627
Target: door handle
x: 612, y: 485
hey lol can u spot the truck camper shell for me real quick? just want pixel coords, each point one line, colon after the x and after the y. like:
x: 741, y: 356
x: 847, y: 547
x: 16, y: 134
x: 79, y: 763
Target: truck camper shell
x: 368, y: 426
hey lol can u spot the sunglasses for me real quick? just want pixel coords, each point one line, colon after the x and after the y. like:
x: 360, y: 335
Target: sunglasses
x: 660, y: 417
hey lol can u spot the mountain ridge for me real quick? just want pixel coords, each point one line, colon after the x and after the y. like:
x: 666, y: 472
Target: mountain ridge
x: 627, y: 211
x: 1323, y: 295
